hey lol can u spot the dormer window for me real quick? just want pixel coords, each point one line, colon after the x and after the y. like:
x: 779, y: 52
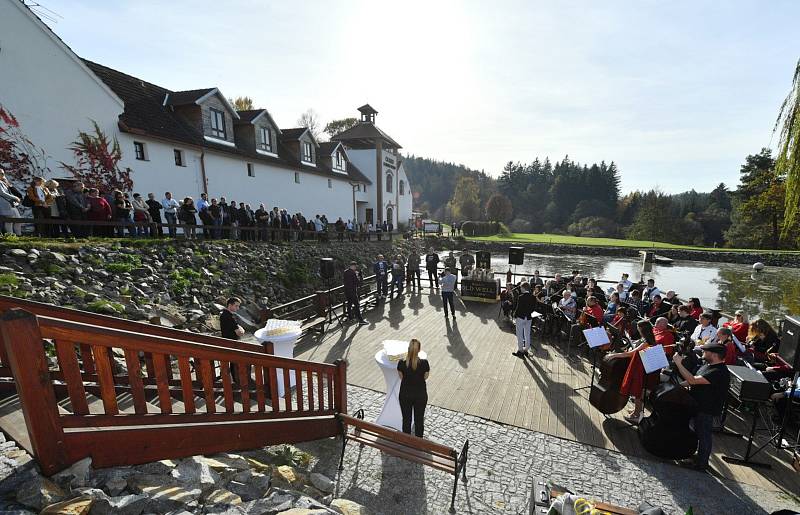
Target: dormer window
x: 265, y: 141
x: 338, y: 161
x: 308, y: 156
x: 217, y: 123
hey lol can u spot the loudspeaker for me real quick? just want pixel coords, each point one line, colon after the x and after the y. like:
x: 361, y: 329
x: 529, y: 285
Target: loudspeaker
x: 789, y: 349
x: 516, y: 255
x: 326, y: 269
x: 483, y: 259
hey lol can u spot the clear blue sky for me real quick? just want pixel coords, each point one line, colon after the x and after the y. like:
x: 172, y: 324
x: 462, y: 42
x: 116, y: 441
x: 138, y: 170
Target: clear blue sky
x: 676, y: 93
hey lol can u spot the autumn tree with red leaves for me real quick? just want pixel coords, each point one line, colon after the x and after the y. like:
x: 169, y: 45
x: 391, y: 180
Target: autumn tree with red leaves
x: 19, y: 157
x: 97, y: 162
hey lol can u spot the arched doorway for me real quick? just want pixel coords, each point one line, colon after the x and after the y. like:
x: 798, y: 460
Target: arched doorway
x: 389, y: 215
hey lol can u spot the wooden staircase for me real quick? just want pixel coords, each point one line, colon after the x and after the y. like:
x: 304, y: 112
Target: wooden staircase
x: 126, y: 392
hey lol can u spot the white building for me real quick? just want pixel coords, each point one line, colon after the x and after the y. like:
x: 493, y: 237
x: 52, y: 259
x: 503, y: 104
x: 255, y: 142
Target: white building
x: 188, y: 142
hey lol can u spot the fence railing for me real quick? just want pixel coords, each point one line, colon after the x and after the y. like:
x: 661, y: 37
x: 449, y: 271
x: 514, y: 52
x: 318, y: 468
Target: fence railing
x: 127, y: 397
x: 58, y: 227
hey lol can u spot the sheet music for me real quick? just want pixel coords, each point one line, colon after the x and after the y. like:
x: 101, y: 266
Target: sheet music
x: 653, y: 358
x: 596, y: 336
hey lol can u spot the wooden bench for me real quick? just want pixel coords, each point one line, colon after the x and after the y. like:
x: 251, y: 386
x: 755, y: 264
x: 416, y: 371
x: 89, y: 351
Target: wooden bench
x: 405, y: 446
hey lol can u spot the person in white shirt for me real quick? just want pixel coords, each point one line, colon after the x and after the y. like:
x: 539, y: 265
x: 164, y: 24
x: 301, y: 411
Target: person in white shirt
x: 625, y: 282
x: 622, y: 291
x: 448, y: 282
x: 568, y: 305
x: 704, y: 332
x: 651, y: 291
x: 171, y: 213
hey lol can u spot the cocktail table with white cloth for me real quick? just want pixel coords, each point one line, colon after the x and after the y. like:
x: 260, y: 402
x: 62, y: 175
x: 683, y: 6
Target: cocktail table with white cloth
x: 283, y: 334
x: 387, y: 358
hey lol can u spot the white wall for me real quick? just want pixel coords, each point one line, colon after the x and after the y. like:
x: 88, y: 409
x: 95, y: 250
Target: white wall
x: 159, y: 173
x: 47, y: 88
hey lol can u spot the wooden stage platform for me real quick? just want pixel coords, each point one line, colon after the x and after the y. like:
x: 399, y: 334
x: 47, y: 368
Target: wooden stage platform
x: 473, y: 371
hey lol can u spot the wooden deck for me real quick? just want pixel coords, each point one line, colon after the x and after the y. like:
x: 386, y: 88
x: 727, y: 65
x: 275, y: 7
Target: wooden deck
x: 473, y: 371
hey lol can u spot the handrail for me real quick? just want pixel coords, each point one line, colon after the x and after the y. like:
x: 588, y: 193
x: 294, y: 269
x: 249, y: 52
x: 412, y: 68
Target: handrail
x: 247, y: 391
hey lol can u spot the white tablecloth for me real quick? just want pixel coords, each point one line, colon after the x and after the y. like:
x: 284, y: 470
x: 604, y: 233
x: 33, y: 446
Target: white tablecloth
x: 390, y: 413
x: 284, y: 347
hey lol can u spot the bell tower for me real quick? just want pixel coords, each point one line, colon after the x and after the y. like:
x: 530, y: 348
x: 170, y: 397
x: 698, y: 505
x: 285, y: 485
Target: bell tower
x: 367, y: 114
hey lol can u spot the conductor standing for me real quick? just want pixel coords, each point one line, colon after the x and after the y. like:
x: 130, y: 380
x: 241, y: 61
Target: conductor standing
x: 523, y: 319
x: 352, y: 281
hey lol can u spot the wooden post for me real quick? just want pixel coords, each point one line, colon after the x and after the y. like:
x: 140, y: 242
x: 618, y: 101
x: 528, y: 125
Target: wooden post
x: 23, y: 343
x: 340, y: 386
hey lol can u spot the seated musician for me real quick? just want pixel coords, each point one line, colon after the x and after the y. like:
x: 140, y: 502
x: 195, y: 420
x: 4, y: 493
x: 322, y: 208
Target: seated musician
x: 625, y: 282
x: 579, y: 288
x: 658, y: 307
x: 651, y: 290
x: 685, y: 323
x: 672, y: 315
x: 567, y: 305
x: 709, y: 387
x: 664, y: 336
x: 594, y: 318
x: 611, y: 308
x: 781, y: 399
x: 733, y: 347
x: 762, y: 339
x: 622, y: 292
x: 705, y: 332
x: 635, y: 301
x: 559, y: 280
x: 672, y: 298
x: 551, y: 287
x: 507, y: 300
x: 535, y: 279
x: 593, y: 289
x: 633, y: 384
x: 739, y: 325
x: 695, y: 308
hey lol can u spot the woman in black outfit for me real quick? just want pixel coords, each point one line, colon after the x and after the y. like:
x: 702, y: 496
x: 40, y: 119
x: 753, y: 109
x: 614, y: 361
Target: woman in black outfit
x: 413, y: 394
x: 186, y: 214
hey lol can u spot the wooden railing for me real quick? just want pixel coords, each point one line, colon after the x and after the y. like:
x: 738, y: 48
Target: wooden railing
x: 212, y: 399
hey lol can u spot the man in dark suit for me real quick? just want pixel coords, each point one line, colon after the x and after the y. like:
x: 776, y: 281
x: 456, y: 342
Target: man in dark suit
x: 523, y: 319
x: 381, y: 271
x: 352, y: 282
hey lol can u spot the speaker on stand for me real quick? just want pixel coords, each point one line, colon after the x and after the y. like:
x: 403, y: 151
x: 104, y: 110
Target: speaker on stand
x: 327, y: 271
x: 516, y: 256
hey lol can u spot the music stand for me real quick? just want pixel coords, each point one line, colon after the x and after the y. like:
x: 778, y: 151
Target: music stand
x: 331, y: 312
x: 595, y: 337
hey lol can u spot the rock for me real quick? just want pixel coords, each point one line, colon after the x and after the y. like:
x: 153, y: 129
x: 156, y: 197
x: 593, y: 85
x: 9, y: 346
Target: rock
x: 256, y: 479
x: 285, y: 475
x: 276, y: 502
x: 322, y: 482
x: 308, y: 503
x: 55, y: 256
x: 18, y: 253
x: 123, y: 505
x: 163, y: 467
x: 76, y: 475
x: 346, y: 507
x: 77, y: 506
x: 40, y: 492
x: 231, y: 461
x: 226, y: 510
x: 303, y: 511
x: 222, y: 496
x: 195, y: 471
x: 246, y: 491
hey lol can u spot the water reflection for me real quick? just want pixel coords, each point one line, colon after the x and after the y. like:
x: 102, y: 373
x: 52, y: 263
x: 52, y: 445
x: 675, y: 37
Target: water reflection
x: 770, y: 294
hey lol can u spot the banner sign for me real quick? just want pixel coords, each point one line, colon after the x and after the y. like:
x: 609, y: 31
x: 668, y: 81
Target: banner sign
x: 480, y: 291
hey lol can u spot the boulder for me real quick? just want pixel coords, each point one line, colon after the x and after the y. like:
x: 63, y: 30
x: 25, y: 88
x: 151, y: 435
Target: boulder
x: 346, y: 507
x: 76, y: 506
x: 40, y: 492
x: 123, y: 505
x: 276, y: 502
x: 76, y: 475
x: 222, y: 496
x: 246, y: 491
x: 196, y: 472
x: 285, y: 475
x: 322, y: 482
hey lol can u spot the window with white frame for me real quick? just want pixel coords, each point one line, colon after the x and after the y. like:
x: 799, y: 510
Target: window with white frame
x: 401, y: 188
x: 138, y: 149
x: 308, y: 156
x: 265, y: 142
x: 338, y: 162
x: 251, y: 171
x: 389, y: 182
x: 179, y: 160
x: 297, y: 177
x: 217, y: 123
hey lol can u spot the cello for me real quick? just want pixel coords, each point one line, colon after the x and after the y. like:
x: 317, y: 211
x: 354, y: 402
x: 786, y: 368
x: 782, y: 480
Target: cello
x: 604, y: 394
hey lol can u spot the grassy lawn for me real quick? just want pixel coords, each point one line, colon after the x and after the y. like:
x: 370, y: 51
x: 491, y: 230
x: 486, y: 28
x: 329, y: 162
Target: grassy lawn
x: 562, y: 239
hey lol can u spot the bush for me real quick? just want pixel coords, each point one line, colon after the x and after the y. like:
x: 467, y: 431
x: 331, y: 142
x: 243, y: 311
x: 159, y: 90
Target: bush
x: 480, y: 228
x: 104, y: 306
x: 119, y: 268
x: 9, y: 279
x: 594, y: 227
x: 502, y: 229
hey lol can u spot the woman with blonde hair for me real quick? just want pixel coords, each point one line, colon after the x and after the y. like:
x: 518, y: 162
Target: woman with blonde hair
x: 414, y: 371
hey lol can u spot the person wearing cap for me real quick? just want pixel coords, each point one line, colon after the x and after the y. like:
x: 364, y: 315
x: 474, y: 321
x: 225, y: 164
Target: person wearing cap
x: 709, y: 388
x: 352, y: 282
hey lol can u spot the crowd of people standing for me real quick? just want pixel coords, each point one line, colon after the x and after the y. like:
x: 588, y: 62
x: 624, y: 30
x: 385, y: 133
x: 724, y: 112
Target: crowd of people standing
x: 116, y: 213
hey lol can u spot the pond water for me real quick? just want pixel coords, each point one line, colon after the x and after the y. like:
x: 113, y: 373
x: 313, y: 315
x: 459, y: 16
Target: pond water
x: 770, y: 294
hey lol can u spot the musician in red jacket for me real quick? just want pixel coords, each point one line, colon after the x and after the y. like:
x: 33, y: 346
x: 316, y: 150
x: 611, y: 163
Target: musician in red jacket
x: 594, y: 311
x: 664, y: 336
